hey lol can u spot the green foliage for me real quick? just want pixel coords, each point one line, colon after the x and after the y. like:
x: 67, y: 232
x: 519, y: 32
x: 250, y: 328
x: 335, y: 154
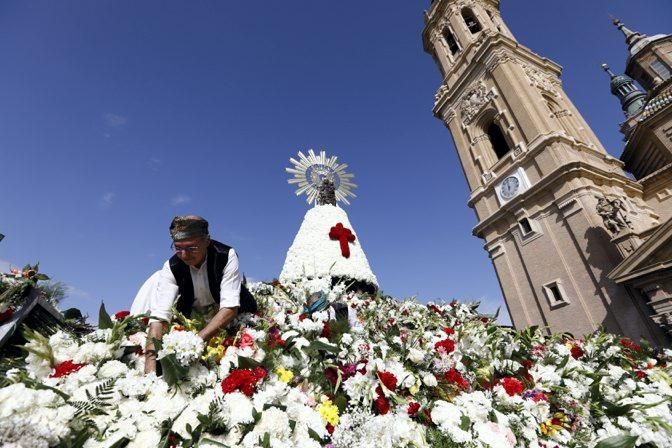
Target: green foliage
x: 44, y: 351
x: 622, y: 441
x: 173, y: 372
x: 104, y: 320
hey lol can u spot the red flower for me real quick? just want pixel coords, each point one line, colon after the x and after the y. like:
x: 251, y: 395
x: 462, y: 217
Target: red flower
x: 302, y: 317
x: 640, y: 374
x: 453, y: 376
x: 119, y: 315
x: 434, y: 308
x: 576, y: 352
x: 449, y: 331
x: 6, y: 315
x: 413, y: 408
x: 326, y: 330
x: 388, y: 379
x: 65, y: 368
x: 627, y: 343
x: 453, y: 303
x: 179, y: 328
x: 446, y: 346
x: 527, y: 363
x: 382, y: 404
x: 244, y: 380
x: 512, y: 386
x: 330, y: 428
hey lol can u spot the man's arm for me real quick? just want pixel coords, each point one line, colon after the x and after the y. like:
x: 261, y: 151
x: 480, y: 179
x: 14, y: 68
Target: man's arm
x: 219, y: 321
x: 155, y: 331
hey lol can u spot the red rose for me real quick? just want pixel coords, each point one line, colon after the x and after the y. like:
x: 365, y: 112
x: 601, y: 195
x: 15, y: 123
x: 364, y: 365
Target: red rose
x: 65, y: 368
x: 512, y: 386
x: 388, y: 379
x: 119, y: 315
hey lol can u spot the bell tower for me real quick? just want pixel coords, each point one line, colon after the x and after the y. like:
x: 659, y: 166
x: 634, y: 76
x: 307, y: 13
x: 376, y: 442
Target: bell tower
x: 535, y: 172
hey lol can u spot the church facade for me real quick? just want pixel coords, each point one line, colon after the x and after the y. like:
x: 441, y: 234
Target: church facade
x: 579, y: 239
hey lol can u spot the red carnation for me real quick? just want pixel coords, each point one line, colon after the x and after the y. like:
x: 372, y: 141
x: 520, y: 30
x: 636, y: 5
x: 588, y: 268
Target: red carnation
x: 413, y: 408
x: 449, y: 331
x: 326, y: 330
x: 382, y: 404
x: 119, y: 315
x: 627, y: 343
x: 446, y: 346
x: 453, y: 376
x: 512, y: 386
x: 244, y: 380
x: 65, y: 368
x: 6, y: 315
x: 388, y: 379
x: 330, y: 428
x: 576, y: 352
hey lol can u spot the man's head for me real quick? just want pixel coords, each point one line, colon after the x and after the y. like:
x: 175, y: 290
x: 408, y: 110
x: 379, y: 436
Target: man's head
x: 190, y: 239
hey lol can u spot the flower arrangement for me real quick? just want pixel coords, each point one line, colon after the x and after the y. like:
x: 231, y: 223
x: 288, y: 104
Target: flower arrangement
x: 388, y: 374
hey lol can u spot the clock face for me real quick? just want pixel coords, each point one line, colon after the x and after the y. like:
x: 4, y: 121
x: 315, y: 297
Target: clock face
x: 510, y: 187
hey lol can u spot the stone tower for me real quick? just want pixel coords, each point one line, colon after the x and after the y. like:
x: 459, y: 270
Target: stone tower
x: 535, y: 171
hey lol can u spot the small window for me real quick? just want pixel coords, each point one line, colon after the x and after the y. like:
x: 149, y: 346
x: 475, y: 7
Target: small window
x: 470, y: 20
x: 525, y: 226
x: 497, y: 140
x: 450, y: 40
x: 661, y: 69
x: 555, y: 294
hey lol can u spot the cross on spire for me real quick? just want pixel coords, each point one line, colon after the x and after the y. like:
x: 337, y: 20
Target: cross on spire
x: 344, y: 236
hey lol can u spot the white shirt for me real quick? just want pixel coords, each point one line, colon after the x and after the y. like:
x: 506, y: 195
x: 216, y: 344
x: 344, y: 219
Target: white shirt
x: 167, y: 289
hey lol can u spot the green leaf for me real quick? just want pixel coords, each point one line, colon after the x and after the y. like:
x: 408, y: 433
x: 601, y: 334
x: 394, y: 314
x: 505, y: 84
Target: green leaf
x: 341, y: 403
x: 313, y: 435
x: 615, y: 410
x: 247, y: 363
x: 319, y: 345
x: 104, y: 320
x: 266, y: 442
x: 212, y: 442
x: 622, y: 441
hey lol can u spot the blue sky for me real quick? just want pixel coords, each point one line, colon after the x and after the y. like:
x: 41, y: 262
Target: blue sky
x: 117, y: 115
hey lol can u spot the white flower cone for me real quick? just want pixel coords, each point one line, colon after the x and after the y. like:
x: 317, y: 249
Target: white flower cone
x: 314, y: 254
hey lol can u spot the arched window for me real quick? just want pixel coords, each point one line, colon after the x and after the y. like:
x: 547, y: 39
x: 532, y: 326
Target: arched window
x: 497, y: 140
x: 470, y: 20
x: 450, y: 40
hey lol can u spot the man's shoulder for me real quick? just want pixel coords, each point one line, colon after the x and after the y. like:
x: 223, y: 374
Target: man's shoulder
x: 221, y: 247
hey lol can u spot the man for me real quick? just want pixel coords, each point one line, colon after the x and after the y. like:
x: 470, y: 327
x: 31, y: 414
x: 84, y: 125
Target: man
x: 204, y: 272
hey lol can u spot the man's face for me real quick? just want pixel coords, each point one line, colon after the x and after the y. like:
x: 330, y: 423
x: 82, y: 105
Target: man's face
x: 192, y: 250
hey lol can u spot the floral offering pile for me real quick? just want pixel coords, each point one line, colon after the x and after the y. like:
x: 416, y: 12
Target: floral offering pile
x: 364, y: 371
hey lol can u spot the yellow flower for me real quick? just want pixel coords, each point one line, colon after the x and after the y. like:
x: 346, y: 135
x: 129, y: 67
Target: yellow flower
x: 284, y: 374
x: 414, y: 389
x: 328, y: 411
x: 215, y: 352
x: 559, y: 422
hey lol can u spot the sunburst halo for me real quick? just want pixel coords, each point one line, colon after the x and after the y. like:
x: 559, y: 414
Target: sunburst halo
x: 309, y: 172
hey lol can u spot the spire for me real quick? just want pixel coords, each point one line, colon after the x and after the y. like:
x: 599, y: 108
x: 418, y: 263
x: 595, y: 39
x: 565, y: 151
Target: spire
x: 623, y: 87
x: 631, y: 37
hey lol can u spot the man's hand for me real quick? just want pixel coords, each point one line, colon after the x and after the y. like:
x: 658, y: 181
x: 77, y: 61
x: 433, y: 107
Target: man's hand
x: 219, y: 321
x: 155, y: 331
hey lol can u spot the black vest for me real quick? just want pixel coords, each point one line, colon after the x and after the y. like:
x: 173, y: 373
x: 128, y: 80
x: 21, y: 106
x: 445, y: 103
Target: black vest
x: 218, y: 256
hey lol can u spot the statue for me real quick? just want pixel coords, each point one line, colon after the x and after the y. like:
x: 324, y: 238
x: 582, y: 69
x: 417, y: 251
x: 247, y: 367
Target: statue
x: 613, y: 214
x: 326, y: 193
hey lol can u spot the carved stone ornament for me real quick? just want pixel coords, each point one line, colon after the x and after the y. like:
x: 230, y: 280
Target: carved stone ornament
x: 473, y: 101
x: 498, y: 58
x: 614, y: 215
x: 443, y: 90
x: 540, y: 80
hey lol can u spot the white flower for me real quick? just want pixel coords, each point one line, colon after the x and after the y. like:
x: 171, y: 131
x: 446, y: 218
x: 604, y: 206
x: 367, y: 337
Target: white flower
x: 448, y: 418
x: 494, y: 435
x: 185, y: 345
x: 429, y: 379
x: 112, y: 369
x: 241, y: 408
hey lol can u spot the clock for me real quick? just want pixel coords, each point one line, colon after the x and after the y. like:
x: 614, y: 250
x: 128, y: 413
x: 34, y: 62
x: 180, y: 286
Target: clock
x: 510, y: 187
